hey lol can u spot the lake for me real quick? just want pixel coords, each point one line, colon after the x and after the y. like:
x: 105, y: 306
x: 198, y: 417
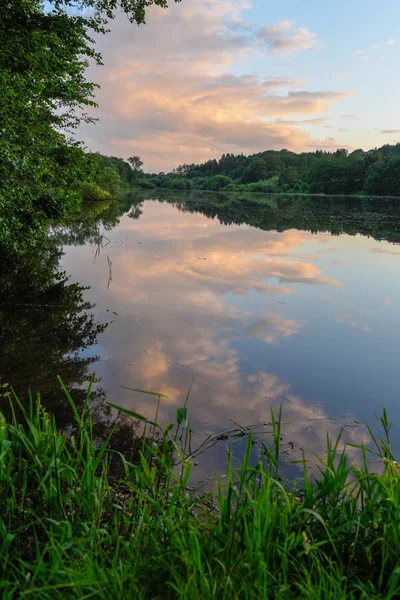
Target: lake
x: 246, y: 302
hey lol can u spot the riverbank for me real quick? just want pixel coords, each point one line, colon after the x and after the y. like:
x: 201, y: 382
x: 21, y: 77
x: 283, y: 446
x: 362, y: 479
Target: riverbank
x: 72, y: 525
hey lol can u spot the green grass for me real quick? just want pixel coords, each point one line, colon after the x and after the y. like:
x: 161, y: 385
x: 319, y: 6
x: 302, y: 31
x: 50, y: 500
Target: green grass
x: 71, y: 528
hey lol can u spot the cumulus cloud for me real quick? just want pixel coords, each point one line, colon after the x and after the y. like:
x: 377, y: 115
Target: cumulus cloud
x: 169, y: 93
x: 285, y: 38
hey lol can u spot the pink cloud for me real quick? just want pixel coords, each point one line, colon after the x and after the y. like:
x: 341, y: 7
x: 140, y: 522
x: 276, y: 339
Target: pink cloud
x: 284, y: 38
x: 168, y: 92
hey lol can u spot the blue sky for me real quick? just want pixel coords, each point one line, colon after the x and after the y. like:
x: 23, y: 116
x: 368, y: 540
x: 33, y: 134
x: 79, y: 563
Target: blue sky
x: 360, y: 52
x: 203, y: 78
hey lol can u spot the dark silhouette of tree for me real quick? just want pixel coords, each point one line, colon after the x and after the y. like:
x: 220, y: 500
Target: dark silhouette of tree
x: 45, y: 325
x: 136, y: 164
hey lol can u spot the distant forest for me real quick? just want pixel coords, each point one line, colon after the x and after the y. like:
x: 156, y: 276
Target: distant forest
x: 373, y: 172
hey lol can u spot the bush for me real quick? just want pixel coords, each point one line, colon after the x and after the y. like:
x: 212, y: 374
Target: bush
x: 108, y: 179
x: 91, y: 192
x: 179, y: 184
x: 156, y: 181
x: 267, y: 186
x: 218, y: 182
x: 198, y: 183
x: 304, y: 187
x: 146, y: 184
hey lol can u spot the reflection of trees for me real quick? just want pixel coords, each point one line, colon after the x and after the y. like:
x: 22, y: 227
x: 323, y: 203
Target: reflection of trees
x: 136, y: 211
x: 46, y: 325
x: 96, y: 216
x: 375, y: 217
x: 46, y: 328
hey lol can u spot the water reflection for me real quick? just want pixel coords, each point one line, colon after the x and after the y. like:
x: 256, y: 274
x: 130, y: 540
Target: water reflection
x: 254, y: 303
x: 47, y: 328
x: 253, y: 317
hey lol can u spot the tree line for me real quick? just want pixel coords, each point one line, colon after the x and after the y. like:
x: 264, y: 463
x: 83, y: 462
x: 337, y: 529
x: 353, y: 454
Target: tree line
x: 45, y: 173
x: 372, y: 172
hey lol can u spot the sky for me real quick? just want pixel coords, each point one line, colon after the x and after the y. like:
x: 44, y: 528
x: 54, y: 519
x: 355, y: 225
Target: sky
x: 208, y: 77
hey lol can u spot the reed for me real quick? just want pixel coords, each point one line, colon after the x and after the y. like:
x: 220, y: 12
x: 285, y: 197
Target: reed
x: 71, y: 528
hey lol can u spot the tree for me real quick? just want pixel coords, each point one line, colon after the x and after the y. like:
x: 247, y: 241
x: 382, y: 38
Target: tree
x: 384, y: 178
x: 321, y: 172
x: 44, y: 53
x: 329, y: 176
x: 136, y: 164
x: 341, y: 153
x: 356, y: 173
x: 255, y: 171
x: 290, y: 176
x: 273, y: 162
x: 218, y: 182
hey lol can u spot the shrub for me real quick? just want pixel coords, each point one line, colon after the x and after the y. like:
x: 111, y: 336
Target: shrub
x: 218, y: 182
x: 266, y: 186
x: 91, y: 192
x: 108, y: 179
x: 146, y: 184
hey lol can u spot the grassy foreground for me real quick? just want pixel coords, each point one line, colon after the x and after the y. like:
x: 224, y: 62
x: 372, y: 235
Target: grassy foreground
x: 71, y: 528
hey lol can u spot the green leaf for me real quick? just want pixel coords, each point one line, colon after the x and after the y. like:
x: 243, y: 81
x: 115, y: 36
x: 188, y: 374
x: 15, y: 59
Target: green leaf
x: 133, y: 414
x: 181, y: 415
x: 144, y: 391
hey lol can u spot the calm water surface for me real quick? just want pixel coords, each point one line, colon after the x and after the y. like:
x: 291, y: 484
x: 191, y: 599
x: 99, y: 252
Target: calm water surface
x: 250, y: 316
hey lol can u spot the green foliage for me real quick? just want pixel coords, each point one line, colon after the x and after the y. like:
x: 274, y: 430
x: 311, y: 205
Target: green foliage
x: 146, y: 184
x: 42, y: 80
x: 338, y: 175
x: 384, y: 178
x: 91, y: 192
x: 289, y: 176
x: 172, y: 181
x: 282, y: 171
x: 255, y: 171
x: 100, y: 163
x: 69, y: 528
x: 329, y: 176
x: 218, y: 182
x: 109, y: 180
x: 268, y: 186
x: 45, y: 49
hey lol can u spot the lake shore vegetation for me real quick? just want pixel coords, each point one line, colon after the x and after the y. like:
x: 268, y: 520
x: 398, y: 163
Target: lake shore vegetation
x: 45, y: 50
x: 72, y: 526
x: 46, y: 173
x: 373, y: 172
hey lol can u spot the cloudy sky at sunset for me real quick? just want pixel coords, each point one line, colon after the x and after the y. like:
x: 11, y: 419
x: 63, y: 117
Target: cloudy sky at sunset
x: 213, y: 76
